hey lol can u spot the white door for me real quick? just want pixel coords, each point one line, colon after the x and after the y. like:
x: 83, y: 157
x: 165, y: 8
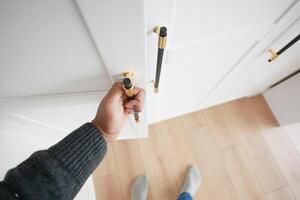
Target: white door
x: 207, y: 40
x: 255, y: 74
x: 58, y: 58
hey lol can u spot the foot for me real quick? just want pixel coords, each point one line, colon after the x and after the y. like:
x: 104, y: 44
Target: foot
x: 139, y: 189
x: 192, y: 181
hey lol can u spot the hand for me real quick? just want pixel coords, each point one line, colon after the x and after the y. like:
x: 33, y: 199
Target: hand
x: 115, y: 108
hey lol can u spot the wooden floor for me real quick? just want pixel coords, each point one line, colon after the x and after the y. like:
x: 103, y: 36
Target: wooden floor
x: 238, y: 146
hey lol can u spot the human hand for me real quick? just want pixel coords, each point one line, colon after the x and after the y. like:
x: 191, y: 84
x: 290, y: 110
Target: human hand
x: 115, y: 108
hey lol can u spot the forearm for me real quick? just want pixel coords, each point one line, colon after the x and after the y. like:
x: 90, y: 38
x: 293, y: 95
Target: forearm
x: 60, y: 171
x: 80, y: 152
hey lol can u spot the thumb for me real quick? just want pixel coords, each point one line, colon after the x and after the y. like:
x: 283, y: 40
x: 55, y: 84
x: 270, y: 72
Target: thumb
x: 116, y: 91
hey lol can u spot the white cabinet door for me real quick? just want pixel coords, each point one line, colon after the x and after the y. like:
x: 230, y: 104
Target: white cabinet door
x: 45, y: 48
x: 207, y: 40
x: 60, y: 113
x: 52, y: 49
x: 255, y: 74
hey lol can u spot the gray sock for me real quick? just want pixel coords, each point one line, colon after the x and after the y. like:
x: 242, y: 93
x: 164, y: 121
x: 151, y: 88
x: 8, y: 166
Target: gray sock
x: 192, y: 180
x: 139, y: 189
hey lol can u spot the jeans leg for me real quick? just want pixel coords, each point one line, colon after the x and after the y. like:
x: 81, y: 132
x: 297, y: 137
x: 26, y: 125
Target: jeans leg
x: 185, y: 196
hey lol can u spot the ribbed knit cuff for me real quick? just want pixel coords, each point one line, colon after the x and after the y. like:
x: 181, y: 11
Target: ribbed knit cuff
x: 81, y: 151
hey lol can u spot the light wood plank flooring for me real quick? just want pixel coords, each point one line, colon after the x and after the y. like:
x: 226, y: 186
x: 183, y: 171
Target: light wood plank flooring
x: 241, y: 151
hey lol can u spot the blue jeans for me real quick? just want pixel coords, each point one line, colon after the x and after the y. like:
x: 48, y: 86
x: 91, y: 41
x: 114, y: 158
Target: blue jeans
x: 185, y: 196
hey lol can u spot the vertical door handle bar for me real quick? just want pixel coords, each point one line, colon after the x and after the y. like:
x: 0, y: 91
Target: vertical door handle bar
x: 129, y: 91
x: 162, y: 40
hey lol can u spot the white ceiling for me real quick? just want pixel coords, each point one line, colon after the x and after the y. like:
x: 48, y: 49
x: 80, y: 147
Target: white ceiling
x: 45, y: 48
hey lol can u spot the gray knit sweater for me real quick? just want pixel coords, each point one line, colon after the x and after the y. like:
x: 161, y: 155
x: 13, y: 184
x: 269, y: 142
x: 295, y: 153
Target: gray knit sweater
x: 58, y: 172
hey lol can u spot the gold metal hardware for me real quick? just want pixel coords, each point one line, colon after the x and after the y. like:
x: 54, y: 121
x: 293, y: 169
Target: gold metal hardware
x: 130, y: 93
x: 274, y: 55
x: 128, y: 74
x: 162, y: 42
x: 155, y: 88
x: 156, y: 29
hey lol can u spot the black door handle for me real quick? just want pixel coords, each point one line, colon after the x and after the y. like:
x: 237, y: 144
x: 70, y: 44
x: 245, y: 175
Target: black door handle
x: 162, y: 39
x: 274, y: 55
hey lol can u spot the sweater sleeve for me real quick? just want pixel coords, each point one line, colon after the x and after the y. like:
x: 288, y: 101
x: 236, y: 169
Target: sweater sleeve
x: 60, y: 171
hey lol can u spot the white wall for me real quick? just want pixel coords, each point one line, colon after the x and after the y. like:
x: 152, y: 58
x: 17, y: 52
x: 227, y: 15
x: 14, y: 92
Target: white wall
x: 284, y: 101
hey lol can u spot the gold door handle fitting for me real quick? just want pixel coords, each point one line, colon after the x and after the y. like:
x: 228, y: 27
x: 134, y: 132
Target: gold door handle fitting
x: 274, y: 54
x: 129, y: 91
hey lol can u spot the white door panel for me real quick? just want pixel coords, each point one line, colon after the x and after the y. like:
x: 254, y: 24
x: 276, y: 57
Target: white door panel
x: 200, y: 19
x: 63, y: 113
x: 260, y: 74
x: 118, y: 29
x: 191, y: 71
x: 207, y: 40
x: 46, y: 49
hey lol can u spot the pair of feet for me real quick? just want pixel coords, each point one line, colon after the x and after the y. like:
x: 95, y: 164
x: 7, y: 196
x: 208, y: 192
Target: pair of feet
x: 192, y: 181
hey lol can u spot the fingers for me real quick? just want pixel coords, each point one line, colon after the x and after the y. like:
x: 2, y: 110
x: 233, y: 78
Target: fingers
x: 118, y: 91
x: 129, y: 110
x: 137, y: 103
x: 130, y: 106
x: 134, y: 104
x: 139, y: 94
